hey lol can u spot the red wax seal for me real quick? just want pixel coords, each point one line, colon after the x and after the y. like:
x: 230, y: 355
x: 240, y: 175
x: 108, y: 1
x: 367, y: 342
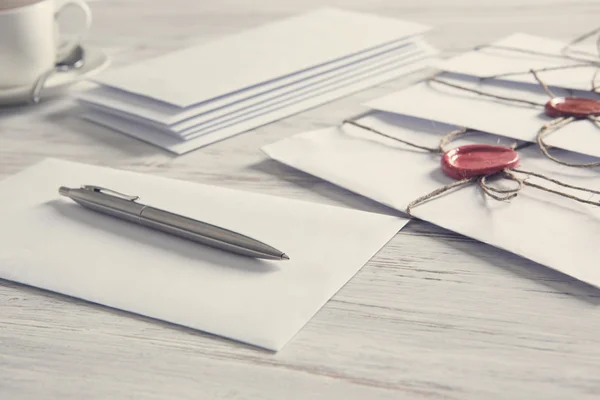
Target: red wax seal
x: 477, y: 160
x: 572, y: 107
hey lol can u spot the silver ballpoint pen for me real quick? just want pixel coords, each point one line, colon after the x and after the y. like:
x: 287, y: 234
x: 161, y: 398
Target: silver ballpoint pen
x: 126, y: 207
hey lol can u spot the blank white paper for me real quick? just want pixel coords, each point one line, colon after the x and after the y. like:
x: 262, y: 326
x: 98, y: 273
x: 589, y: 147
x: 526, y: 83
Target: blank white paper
x: 50, y: 242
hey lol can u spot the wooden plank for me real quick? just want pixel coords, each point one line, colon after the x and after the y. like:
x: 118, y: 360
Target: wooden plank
x: 433, y: 315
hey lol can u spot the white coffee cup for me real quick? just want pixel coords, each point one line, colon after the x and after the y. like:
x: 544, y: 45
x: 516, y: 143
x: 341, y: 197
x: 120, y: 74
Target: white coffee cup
x: 30, y: 42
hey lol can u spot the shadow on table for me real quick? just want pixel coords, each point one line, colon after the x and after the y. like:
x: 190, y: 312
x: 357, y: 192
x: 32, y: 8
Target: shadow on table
x: 72, y: 120
x: 61, y: 120
x: 330, y: 191
x: 557, y: 282
x: 129, y: 315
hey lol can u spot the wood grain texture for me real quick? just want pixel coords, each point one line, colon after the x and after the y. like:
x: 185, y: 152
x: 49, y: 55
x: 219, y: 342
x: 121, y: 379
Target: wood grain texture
x: 433, y: 315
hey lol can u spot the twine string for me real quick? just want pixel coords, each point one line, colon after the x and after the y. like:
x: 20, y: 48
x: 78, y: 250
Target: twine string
x: 439, y: 149
x: 499, y: 194
x: 450, y: 137
x: 495, y: 96
x: 503, y: 194
x: 542, y: 84
x: 507, y: 194
x: 559, y: 193
x: 583, y: 37
x: 481, y: 93
x: 546, y: 69
x: 553, y: 126
x: 368, y: 128
x: 437, y: 192
x: 535, y: 53
x: 555, y: 181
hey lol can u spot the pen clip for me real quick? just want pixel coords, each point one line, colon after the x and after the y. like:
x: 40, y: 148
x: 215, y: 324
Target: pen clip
x: 100, y: 189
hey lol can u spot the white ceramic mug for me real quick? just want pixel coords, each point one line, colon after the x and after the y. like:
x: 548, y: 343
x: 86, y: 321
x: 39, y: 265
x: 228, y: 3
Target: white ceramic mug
x: 30, y: 43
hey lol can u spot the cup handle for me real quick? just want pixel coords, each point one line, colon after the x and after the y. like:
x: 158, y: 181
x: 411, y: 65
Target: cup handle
x: 64, y: 49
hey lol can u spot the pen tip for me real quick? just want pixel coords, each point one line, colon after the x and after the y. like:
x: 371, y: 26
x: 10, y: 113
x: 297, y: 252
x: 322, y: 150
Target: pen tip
x: 285, y: 257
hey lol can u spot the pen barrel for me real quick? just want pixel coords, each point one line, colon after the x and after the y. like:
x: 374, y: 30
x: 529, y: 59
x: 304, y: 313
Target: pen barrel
x: 205, y: 233
x: 109, y: 205
x: 174, y: 224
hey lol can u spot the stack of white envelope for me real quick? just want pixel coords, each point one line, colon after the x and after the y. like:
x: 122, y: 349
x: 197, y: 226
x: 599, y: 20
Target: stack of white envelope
x: 550, y: 229
x: 200, y: 95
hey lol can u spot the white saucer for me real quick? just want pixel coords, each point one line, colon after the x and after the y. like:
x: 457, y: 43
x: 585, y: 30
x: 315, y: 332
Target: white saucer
x: 95, y: 61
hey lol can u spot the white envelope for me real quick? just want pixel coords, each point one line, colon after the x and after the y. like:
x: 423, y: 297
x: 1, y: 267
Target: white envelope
x: 192, y: 126
x: 489, y: 61
x: 554, y: 231
x: 165, y: 114
x: 438, y: 102
x: 51, y: 242
x: 262, y: 117
x: 255, y: 56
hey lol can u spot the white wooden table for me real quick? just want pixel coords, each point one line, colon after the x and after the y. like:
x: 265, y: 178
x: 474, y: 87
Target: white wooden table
x: 433, y: 315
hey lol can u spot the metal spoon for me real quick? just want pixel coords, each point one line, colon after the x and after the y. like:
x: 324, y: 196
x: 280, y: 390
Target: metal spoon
x: 74, y: 60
